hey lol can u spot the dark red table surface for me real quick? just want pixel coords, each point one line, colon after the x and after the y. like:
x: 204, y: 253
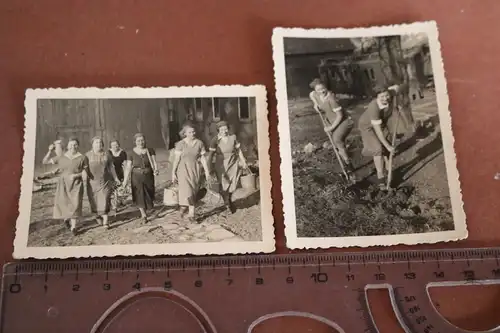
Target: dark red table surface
x: 64, y: 43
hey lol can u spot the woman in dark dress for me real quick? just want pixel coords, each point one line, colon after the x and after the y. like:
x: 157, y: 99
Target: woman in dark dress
x: 119, y: 158
x: 141, y: 169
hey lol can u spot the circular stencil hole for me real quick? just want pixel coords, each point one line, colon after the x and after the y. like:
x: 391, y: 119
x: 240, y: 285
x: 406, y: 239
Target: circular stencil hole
x: 469, y: 307
x: 293, y: 324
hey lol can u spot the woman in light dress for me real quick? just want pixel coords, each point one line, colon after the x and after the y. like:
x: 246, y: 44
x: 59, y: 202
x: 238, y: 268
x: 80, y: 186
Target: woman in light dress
x: 338, y: 124
x: 72, y: 168
x: 141, y: 169
x: 102, y: 178
x: 186, y: 171
x: 228, y: 157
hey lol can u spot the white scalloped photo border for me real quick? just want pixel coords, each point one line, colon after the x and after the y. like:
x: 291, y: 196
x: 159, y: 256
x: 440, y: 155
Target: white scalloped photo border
x: 266, y: 245
x: 287, y: 187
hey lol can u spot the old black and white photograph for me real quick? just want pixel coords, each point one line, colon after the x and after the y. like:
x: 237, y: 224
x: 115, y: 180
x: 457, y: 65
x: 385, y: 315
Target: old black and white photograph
x: 365, y: 137
x: 128, y: 171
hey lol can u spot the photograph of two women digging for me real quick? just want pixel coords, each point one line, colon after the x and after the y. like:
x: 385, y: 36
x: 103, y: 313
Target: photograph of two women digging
x: 366, y: 144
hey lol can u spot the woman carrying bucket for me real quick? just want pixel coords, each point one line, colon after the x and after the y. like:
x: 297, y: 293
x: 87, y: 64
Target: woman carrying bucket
x: 337, y: 124
x: 228, y: 157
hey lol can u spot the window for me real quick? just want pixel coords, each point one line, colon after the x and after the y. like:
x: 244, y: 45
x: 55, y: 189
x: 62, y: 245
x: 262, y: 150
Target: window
x: 366, y: 74
x: 197, y: 103
x: 190, y: 108
x: 244, y: 108
x: 345, y: 74
x: 171, y: 110
x: 216, y: 108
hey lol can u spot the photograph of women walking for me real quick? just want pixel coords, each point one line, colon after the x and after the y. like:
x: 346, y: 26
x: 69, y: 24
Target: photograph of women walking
x: 128, y: 171
x: 365, y: 137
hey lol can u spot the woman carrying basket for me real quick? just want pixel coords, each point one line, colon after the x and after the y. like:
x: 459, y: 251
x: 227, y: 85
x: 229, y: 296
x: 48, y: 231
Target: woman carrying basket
x: 228, y: 157
x: 337, y: 124
x: 141, y: 168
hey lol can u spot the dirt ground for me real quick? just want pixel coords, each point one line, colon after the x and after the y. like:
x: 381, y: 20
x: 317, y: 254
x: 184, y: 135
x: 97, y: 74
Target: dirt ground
x: 214, y: 224
x: 327, y: 207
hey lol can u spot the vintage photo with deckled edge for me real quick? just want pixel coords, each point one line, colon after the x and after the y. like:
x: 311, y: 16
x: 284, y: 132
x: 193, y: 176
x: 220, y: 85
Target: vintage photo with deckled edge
x: 145, y: 171
x: 366, y: 144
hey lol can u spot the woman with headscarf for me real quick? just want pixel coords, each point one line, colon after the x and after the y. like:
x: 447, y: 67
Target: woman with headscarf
x: 72, y: 170
x: 338, y: 124
x: 101, y: 180
x: 141, y: 168
x: 186, y: 170
x: 228, y: 157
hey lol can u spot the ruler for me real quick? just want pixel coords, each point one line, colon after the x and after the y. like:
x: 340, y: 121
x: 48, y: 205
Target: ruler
x: 235, y: 293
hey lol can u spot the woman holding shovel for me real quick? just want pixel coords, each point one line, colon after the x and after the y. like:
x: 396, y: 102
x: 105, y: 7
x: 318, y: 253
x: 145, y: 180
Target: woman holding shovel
x: 337, y: 124
x: 228, y: 157
x: 373, y: 127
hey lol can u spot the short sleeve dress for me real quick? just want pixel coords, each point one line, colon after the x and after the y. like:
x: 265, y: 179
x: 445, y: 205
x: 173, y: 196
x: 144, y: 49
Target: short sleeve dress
x: 374, y: 114
x: 189, y: 170
x: 331, y: 109
x: 100, y: 181
x: 226, y: 161
x: 69, y: 192
x: 142, y: 179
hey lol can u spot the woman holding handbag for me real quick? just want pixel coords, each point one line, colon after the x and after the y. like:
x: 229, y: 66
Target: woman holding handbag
x: 186, y: 170
x: 228, y: 157
x: 141, y: 168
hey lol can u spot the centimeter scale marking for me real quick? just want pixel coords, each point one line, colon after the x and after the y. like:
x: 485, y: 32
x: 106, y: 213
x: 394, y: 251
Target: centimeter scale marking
x: 329, y: 287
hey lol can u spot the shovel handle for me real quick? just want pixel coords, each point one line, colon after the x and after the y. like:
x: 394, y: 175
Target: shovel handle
x: 391, y: 155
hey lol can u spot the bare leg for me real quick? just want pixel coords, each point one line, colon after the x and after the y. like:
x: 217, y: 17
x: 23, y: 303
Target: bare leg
x: 143, y: 212
x: 105, y: 220
x: 190, y: 215
x: 386, y: 161
x: 191, y: 211
x: 72, y: 223
x: 343, y: 154
x: 379, y: 166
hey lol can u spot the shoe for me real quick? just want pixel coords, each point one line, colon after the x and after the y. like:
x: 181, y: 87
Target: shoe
x: 231, y: 208
x: 381, y: 183
x: 349, y: 167
x: 182, y: 212
x: 99, y: 220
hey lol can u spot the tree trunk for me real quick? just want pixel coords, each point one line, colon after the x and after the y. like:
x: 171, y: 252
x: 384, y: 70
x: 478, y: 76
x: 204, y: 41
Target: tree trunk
x: 395, y: 71
x: 165, y: 125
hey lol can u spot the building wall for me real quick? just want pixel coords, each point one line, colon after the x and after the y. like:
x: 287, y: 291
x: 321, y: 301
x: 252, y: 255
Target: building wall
x: 157, y: 119
x: 302, y: 69
x: 205, y: 113
x: 86, y: 118
x: 345, y: 76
